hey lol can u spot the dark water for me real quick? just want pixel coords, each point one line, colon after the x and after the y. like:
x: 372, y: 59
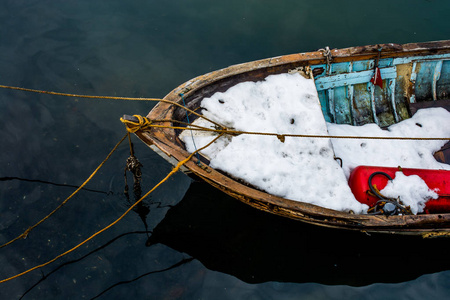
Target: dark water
x: 203, y: 244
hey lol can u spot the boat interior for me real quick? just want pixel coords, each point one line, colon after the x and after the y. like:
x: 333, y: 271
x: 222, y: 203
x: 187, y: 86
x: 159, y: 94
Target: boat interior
x: 347, y: 95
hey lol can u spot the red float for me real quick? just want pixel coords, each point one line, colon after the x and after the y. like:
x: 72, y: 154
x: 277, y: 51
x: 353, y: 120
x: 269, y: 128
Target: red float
x: 437, y: 180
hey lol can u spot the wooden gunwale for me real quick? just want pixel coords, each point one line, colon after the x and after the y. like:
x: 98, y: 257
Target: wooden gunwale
x: 166, y: 140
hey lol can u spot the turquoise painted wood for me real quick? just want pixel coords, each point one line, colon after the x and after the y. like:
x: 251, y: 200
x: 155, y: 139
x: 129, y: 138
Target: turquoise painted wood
x: 348, y: 97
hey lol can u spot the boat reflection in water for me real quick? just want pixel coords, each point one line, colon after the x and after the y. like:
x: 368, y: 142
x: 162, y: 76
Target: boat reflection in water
x: 231, y: 237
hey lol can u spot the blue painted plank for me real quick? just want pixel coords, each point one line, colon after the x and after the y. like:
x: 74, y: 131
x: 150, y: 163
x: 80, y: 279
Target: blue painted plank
x: 406, y: 60
x: 329, y: 82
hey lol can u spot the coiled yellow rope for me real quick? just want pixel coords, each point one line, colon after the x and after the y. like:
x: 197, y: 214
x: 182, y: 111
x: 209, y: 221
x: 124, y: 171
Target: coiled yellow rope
x: 143, y: 123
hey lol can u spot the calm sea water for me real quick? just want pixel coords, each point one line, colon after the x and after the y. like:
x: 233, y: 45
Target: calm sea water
x: 201, y: 244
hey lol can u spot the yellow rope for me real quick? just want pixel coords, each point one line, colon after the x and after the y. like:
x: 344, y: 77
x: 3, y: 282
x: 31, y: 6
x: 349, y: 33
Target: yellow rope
x: 77, y: 95
x: 109, y: 97
x: 145, y: 125
x: 223, y: 130
x: 435, y: 234
x: 174, y: 170
x: 26, y: 232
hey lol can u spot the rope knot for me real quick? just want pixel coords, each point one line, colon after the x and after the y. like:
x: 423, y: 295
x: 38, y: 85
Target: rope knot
x: 136, y: 122
x: 26, y: 232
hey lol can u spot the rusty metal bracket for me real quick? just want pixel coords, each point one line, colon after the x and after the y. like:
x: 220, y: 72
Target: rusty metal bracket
x: 329, y: 57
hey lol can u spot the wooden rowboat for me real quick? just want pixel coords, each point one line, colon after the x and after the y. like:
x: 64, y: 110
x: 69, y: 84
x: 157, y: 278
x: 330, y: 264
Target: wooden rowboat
x: 413, y: 76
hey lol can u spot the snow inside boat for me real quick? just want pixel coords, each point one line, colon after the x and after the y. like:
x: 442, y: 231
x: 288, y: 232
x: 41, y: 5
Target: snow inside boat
x: 317, y: 136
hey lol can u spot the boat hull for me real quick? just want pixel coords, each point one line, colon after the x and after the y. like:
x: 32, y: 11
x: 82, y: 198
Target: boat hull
x: 404, y: 92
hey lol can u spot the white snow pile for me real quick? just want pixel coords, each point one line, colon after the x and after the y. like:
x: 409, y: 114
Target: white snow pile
x: 412, y: 190
x: 304, y: 169
x: 431, y: 122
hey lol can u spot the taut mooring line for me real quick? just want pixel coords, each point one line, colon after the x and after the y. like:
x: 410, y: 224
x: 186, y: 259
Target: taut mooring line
x: 26, y: 232
x: 174, y: 170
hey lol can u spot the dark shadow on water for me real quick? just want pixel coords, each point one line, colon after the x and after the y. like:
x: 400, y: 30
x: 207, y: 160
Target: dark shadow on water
x: 54, y: 184
x: 45, y: 276
x: 231, y: 237
x: 176, y: 265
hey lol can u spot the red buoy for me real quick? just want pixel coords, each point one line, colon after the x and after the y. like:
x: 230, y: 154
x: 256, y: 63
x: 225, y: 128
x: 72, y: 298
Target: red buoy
x: 437, y: 180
